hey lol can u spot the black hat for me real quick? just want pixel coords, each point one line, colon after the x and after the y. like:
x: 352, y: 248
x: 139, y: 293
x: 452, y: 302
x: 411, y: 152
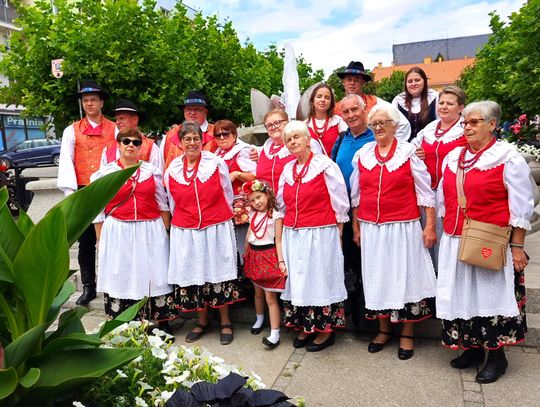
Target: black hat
x: 355, y: 68
x: 195, y: 98
x: 126, y: 106
x: 92, y: 87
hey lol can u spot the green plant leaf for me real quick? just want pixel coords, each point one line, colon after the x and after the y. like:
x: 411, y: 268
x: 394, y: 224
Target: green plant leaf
x: 11, y: 237
x: 124, y: 317
x: 24, y: 346
x: 69, y: 323
x: 82, y: 207
x: 42, y: 265
x: 75, y: 339
x: 67, y: 289
x: 6, y: 268
x: 8, y: 382
x: 24, y: 223
x: 30, y: 378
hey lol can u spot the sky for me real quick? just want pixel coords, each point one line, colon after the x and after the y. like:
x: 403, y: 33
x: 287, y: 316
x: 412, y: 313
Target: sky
x: 331, y: 33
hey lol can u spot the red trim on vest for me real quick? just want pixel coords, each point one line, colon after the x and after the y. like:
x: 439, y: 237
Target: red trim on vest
x: 329, y: 138
x: 387, y: 197
x: 435, y: 154
x: 199, y: 205
x: 142, y: 205
x: 308, y: 204
x: 487, y: 199
x: 270, y: 169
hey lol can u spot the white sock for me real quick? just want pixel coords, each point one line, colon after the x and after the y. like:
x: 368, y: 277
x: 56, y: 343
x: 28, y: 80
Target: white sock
x: 260, y: 320
x: 274, y: 335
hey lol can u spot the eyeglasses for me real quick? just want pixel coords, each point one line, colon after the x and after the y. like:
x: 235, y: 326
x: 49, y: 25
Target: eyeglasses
x: 223, y: 134
x: 274, y: 125
x: 189, y: 140
x: 472, y: 122
x: 381, y: 123
x: 128, y: 141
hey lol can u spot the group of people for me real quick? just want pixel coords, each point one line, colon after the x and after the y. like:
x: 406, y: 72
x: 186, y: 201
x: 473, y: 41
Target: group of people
x: 362, y: 186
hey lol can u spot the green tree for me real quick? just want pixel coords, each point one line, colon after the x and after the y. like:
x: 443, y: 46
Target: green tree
x: 389, y: 88
x: 137, y: 52
x: 507, y: 69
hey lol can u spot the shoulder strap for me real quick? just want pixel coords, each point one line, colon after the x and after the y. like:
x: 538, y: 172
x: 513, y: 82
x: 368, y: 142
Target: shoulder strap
x: 337, y: 145
x: 461, y: 198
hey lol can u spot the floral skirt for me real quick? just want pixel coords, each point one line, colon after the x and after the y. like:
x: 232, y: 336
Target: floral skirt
x: 411, y: 312
x: 159, y: 308
x: 261, y: 267
x: 314, y: 319
x: 489, y: 332
x: 215, y: 295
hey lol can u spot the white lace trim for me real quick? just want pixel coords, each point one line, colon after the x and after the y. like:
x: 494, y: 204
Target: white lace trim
x: 498, y: 154
x: 416, y: 102
x: 207, y: 167
x: 403, y: 153
x: 282, y: 153
x: 239, y: 146
x: 319, y: 164
x: 147, y: 170
x: 428, y: 133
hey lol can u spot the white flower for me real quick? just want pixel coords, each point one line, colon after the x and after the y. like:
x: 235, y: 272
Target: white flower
x: 159, y: 353
x: 120, y: 373
x: 144, y: 385
x: 78, y: 404
x: 155, y: 341
x: 158, y: 332
x: 140, y: 402
x: 134, y: 324
x: 177, y: 379
x: 166, y: 395
x: 117, y: 340
x: 160, y: 301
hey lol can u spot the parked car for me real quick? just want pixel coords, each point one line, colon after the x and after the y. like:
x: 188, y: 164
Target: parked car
x: 31, y: 153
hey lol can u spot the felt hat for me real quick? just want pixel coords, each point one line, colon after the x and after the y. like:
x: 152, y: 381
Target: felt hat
x: 89, y: 86
x: 195, y: 98
x: 355, y: 68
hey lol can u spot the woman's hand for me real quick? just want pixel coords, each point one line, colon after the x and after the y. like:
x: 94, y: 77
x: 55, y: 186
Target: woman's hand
x: 520, y: 258
x: 420, y: 153
x: 253, y: 154
x: 233, y: 175
x: 429, y: 236
x: 282, y: 268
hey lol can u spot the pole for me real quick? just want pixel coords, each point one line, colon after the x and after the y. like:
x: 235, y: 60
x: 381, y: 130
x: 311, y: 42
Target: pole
x: 80, y: 102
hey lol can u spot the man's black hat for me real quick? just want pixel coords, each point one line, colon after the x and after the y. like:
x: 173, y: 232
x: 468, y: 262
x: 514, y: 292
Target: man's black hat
x: 92, y: 87
x: 127, y: 106
x: 355, y: 68
x: 195, y: 98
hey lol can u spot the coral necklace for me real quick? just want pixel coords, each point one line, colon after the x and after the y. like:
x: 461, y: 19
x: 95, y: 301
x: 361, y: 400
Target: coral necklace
x: 320, y: 131
x: 185, y: 169
x: 467, y: 164
x: 257, y: 226
x: 390, y: 154
x: 439, y: 133
x: 297, y: 176
x: 274, y: 148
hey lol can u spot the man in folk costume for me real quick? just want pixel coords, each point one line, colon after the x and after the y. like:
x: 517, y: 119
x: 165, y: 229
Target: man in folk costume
x: 80, y: 153
x: 353, y: 79
x: 195, y: 109
x: 127, y: 115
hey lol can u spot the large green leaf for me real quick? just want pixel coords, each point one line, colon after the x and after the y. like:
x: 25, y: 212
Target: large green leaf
x: 71, y: 340
x: 30, y: 378
x: 11, y: 237
x: 42, y: 265
x: 69, y: 322
x: 124, y: 317
x: 67, y: 289
x: 8, y: 382
x: 82, y: 207
x: 24, y: 223
x: 6, y: 268
x: 24, y: 346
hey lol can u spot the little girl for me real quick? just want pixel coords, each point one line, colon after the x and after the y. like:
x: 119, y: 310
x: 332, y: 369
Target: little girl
x: 263, y: 259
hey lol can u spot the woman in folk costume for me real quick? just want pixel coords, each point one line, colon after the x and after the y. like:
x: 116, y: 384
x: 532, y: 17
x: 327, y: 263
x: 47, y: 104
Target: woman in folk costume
x: 397, y: 272
x: 202, y: 263
x: 313, y: 202
x: 132, y: 238
x: 483, y: 310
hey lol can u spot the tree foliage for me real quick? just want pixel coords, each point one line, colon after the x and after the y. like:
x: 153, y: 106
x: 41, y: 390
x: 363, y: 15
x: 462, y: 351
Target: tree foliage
x: 507, y: 69
x: 389, y: 88
x: 138, y: 52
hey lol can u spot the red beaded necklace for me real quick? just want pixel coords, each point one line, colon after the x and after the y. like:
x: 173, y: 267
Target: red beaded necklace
x: 256, y: 226
x: 320, y: 131
x: 185, y: 169
x: 439, y: 133
x: 297, y: 176
x: 466, y: 164
x: 390, y: 154
x: 274, y: 148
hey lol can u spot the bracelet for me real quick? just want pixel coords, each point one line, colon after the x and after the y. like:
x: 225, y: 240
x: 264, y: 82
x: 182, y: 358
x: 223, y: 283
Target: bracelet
x: 281, y: 261
x: 521, y: 245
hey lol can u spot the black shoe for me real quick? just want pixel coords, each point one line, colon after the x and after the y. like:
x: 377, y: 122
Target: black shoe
x: 375, y: 347
x: 300, y: 343
x: 404, y: 354
x: 470, y: 357
x: 257, y: 331
x: 89, y: 293
x: 316, y: 347
x: 494, y: 368
x: 271, y: 345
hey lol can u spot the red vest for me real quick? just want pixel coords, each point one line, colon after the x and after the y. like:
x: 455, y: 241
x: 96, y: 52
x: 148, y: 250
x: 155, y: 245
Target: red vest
x: 270, y: 169
x: 487, y: 198
x: 141, y: 205
x: 308, y: 204
x: 172, y: 148
x: 387, y: 197
x: 199, y: 205
x: 435, y: 154
x: 88, y: 149
x: 329, y: 138
x: 233, y: 166
x: 144, y: 152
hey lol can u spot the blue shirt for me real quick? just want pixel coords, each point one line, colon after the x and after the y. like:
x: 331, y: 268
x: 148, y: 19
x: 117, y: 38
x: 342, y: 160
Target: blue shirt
x: 347, y: 149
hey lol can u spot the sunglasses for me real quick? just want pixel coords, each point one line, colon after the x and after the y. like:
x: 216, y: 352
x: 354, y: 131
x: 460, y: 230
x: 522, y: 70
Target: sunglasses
x: 135, y: 142
x: 223, y: 134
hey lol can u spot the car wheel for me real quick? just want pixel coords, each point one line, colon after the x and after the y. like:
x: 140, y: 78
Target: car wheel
x: 5, y: 162
x: 56, y: 159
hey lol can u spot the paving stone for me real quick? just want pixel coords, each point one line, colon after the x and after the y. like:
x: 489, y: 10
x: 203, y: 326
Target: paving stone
x: 471, y: 386
x: 474, y: 396
x: 473, y: 404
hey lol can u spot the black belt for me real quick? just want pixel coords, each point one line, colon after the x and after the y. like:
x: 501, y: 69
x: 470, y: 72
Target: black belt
x: 262, y: 247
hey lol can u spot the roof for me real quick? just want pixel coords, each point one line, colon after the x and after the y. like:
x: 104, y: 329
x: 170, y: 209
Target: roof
x: 449, y: 48
x: 438, y: 73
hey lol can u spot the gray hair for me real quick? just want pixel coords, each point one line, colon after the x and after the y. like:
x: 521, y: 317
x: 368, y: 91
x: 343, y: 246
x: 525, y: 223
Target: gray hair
x: 390, y: 111
x: 296, y: 127
x: 354, y: 96
x: 487, y: 108
x: 189, y: 127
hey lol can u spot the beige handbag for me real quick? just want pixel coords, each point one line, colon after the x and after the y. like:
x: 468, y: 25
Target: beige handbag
x: 482, y: 244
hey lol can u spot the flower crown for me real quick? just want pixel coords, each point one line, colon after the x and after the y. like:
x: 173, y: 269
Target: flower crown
x: 254, y: 186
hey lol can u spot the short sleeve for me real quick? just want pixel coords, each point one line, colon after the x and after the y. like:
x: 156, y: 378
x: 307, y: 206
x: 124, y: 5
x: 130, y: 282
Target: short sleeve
x: 244, y: 162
